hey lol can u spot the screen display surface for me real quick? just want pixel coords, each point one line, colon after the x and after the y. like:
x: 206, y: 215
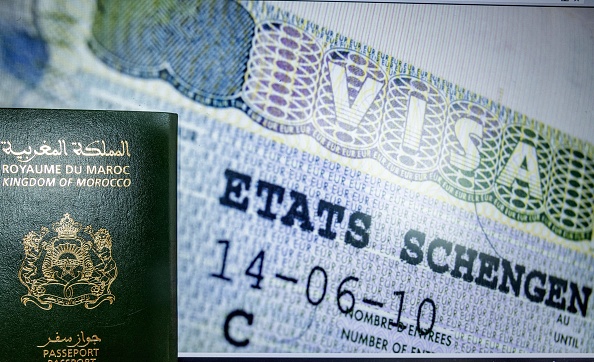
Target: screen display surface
x: 352, y: 177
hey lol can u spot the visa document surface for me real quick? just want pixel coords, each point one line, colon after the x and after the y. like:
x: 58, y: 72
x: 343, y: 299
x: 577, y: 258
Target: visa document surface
x: 334, y: 196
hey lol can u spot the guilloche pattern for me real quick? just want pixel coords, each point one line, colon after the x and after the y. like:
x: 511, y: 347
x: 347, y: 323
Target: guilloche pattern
x: 475, y: 173
x: 282, y: 72
x: 201, y: 49
x: 293, y: 77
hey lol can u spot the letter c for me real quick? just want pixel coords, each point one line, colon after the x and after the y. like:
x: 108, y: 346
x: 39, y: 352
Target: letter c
x: 237, y: 313
x: 435, y: 244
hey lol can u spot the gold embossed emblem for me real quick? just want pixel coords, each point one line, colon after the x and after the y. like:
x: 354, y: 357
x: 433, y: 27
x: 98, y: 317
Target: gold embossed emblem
x: 69, y: 266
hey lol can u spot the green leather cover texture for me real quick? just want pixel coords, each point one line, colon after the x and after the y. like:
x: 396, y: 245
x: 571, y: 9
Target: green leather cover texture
x: 87, y: 236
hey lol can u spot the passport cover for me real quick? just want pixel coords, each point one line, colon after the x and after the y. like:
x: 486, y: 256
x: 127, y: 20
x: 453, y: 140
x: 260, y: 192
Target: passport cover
x: 88, y: 236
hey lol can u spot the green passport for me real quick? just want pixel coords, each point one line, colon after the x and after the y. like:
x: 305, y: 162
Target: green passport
x: 88, y: 236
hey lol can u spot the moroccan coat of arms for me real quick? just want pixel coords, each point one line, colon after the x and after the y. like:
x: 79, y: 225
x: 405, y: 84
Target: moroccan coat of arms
x: 70, y: 266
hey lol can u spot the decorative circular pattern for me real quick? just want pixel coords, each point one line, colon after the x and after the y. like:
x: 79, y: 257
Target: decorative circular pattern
x: 132, y: 38
x: 470, y: 149
x: 282, y: 73
x: 350, y: 100
x: 410, y: 143
x: 525, y: 162
x: 570, y: 197
x: 207, y: 48
x: 201, y: 49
